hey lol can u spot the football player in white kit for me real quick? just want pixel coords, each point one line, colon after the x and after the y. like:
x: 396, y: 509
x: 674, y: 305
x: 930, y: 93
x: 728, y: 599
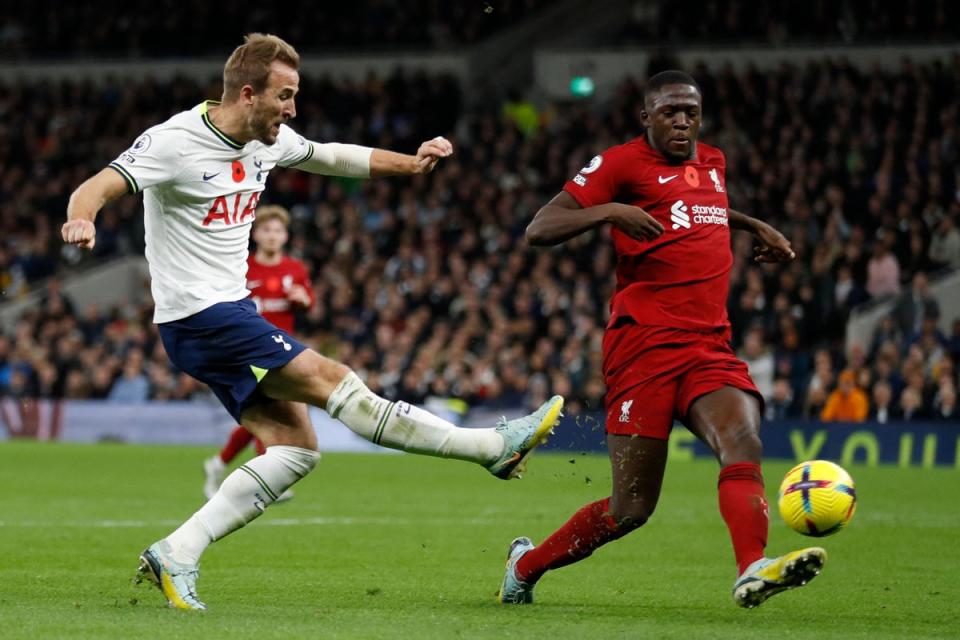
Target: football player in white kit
x: 202, y: 173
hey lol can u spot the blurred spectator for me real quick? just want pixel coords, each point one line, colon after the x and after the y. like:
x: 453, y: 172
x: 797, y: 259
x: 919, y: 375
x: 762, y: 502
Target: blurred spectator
x: 759, y: 360
x: 931, y: 344
x: 945, y: 244
x: 857, y: 362
x: 782, y: 404
x: 847, y: 403
x: 911, y: 405
x: 102, y: 382
x: 945, y: 404
x: 883, y: 271
x: 882, y: 408
x: 820, y: 383
x: 847, y: 293
x: 954, y: 342
x: 915, y: 305
x: 886, y: 332
x: 132, y: 386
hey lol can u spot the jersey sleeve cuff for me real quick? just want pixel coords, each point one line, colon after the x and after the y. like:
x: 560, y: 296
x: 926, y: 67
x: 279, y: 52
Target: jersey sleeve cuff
x: 131, y: 181
x: 579, y: 197
x: 306, y: 156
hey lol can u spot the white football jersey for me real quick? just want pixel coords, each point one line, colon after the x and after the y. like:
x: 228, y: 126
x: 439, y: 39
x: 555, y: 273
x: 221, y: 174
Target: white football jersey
x: 201, y: 190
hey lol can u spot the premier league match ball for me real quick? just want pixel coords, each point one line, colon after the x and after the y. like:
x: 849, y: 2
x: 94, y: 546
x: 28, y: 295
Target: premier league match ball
x: 817, y: 498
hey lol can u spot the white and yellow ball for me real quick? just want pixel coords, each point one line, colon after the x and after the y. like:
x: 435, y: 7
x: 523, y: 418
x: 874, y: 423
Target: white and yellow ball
x: 817, y: 498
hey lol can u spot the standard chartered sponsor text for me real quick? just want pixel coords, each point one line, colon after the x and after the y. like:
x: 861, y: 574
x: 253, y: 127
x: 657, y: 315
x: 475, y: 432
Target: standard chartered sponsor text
x: 709, y: 214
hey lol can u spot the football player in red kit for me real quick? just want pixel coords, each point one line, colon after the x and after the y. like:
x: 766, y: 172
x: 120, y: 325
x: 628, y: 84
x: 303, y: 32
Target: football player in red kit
x: 665, y: 350
x: 278, y: 285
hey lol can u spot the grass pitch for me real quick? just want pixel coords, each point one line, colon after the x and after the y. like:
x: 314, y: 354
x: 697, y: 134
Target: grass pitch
x: 412, y: 547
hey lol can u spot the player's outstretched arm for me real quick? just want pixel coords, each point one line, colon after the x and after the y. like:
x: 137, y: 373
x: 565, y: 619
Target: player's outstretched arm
x: 355, y: 161
x: 774, y: 246
x: 391, y: 163
x: 84, y: 204
x: 562, y: 218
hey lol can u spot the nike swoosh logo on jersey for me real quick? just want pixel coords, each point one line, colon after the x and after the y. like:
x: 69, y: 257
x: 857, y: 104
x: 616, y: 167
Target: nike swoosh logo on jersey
x: 210, y: 176
x: 663, y: 180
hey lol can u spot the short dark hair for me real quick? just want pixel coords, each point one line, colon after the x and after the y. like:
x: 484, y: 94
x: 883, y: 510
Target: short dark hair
x: 250, y: 63
x: 671, y: 76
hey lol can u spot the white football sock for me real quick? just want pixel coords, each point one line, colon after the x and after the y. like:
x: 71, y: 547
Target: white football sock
x: 216, y: 462
x: 399, y: 425
x: 242, y: 497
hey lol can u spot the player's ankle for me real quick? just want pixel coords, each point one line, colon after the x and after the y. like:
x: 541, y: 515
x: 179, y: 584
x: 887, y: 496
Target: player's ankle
x: 528, y: 577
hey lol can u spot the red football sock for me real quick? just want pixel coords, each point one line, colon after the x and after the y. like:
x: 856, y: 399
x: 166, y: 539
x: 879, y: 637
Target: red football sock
x: 589, y: 528
x: 237, y: 442
x: 744, y: 509
x: 258, y: 447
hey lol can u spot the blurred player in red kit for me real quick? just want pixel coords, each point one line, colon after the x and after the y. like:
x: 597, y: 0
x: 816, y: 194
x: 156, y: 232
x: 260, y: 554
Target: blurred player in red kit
x: 665, y: 350
x: 279, y: 285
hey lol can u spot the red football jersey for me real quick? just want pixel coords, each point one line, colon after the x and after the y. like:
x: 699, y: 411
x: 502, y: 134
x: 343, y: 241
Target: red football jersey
x: 680, y: 279
x: 269, y: 285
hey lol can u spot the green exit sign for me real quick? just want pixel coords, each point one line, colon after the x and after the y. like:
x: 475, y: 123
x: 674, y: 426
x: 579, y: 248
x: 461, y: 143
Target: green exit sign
x: 581, y: 86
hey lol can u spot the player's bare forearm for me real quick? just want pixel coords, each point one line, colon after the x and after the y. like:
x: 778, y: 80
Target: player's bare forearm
x: 554, y: 224
x: 562, y: 218
x: 774, y: 246
x: 742, y: 221
x: 390, y: 163
x: 354, y: 161
x: 94, y: 193
x: 84, y: 204
x: 385, y: 163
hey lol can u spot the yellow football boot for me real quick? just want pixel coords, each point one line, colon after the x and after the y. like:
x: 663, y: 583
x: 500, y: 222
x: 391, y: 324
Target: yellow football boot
x: 769, y: 576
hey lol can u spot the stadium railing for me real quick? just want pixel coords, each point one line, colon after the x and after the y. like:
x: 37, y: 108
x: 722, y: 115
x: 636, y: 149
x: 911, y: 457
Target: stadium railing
x: 945, y: 289
x: 106, y: 285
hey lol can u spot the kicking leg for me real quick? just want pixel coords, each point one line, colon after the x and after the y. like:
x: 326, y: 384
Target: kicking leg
x: 291, y: 454
x: 638, y: 465
x: 324, y: 383
x: 261, y: 449
x: 728, y: 420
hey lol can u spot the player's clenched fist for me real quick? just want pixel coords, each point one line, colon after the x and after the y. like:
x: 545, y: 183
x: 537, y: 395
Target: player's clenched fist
x: 635, y: 222
x: 80, y: 232
x: 431, y: 151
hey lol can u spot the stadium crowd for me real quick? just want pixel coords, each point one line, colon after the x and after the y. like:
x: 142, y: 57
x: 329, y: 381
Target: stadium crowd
x: 797, y: 23
x: 168, y: 28
x: 427, y: 287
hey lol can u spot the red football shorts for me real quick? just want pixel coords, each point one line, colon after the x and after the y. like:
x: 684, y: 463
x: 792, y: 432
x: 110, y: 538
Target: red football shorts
x: 654, y: 374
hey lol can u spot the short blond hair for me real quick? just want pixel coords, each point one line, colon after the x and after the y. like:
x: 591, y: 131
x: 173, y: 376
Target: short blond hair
x: 270, y: 212
x: 249, y: 64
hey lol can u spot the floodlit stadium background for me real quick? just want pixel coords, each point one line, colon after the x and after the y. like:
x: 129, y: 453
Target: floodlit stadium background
x: 839, y: 121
